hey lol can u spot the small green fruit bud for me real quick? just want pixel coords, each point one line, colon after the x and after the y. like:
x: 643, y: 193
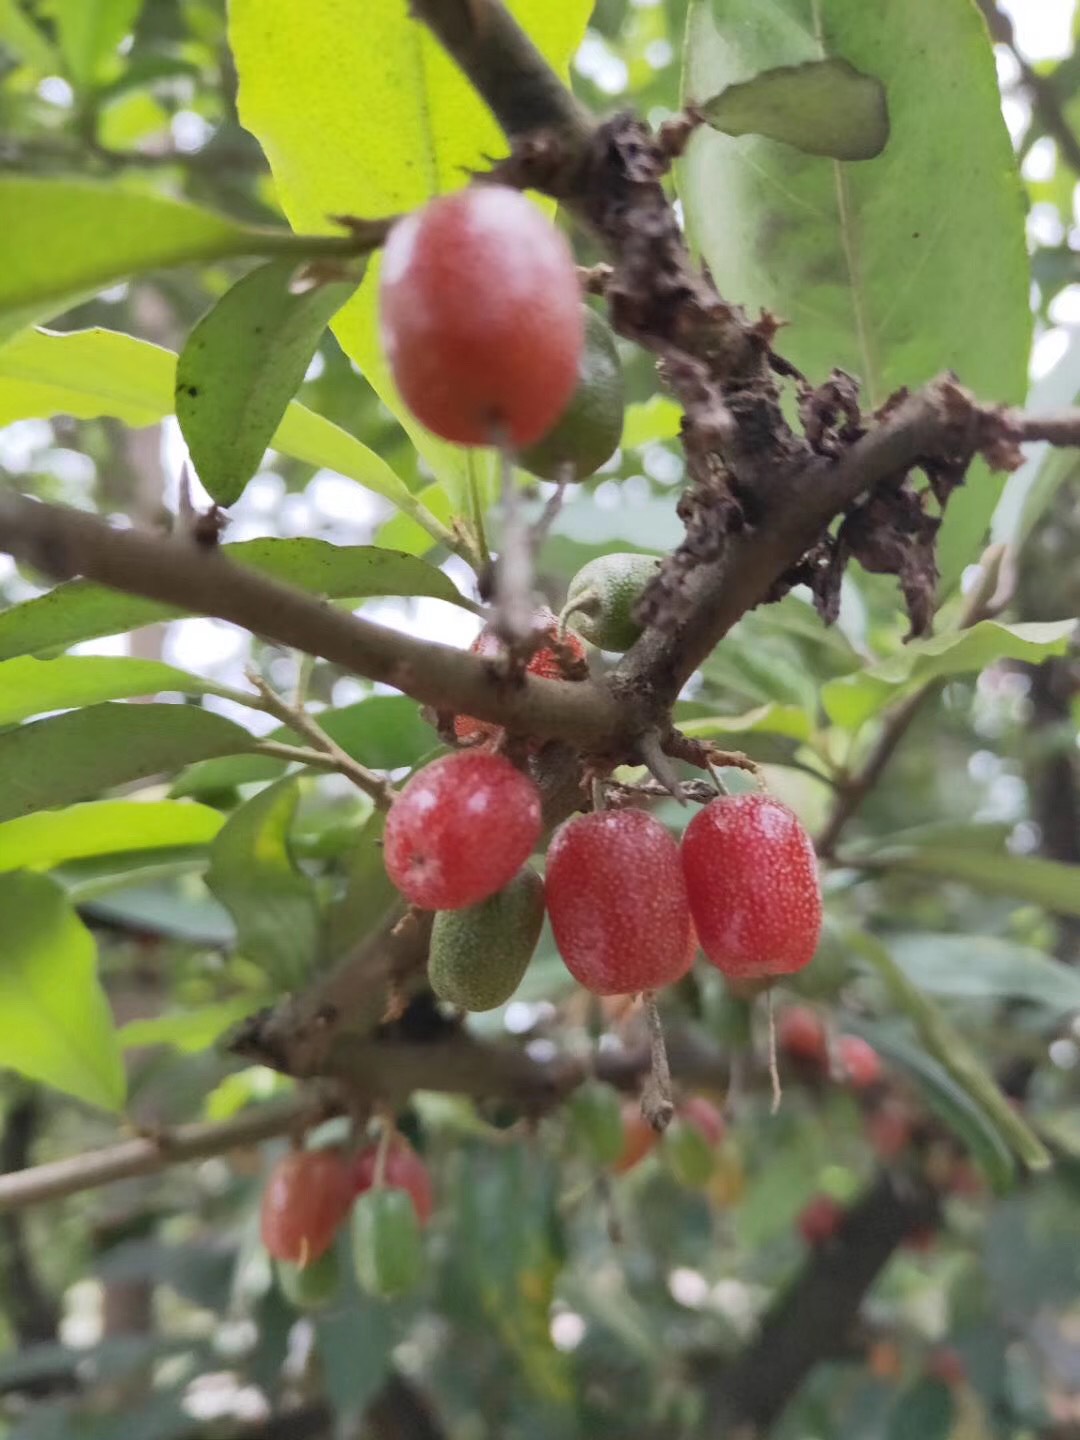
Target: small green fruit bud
x: 309, y: 1287
x: 589, y: 430
x: 478, y: 955
x: 387, y: 1248
x: 596, y: 1122
x: 602, y: 597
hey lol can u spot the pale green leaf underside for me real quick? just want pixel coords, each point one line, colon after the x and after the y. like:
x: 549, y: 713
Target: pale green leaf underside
x: 88, y: 373
x: 823, y: 107
x: 55, y: 1023
x: 852, y: 699
x: 418, y: 131
x: 240, y: 367
x: 894, y: 269
x: 104, y: 827
x: 32, y: 687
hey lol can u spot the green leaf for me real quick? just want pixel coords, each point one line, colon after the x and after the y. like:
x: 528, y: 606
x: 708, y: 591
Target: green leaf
x: 647, y: 421
x: 369, y: 895
x: 253, y: 874
x: 953, y: 1054
x: 894, y: 269
x: 949, y: 1101
x: 20, y: 36
x: 791, y: 721
x: 242, y: 364
x: 420, y: 130
x: 75, y: 756
x: 1041, y: 882
x: 189, y: 1031
x: 925, y: 1411
x: 104, y: 827
x: 88, y: 373
x: 823, y: 107
x: 80, y: 610
x: 63, y: 240
x: 982, y: 967
x: 30, y: 687
x: 386, y: 732
x: 55, y: 1023
x: 89, y: 32
x: 852, y: 699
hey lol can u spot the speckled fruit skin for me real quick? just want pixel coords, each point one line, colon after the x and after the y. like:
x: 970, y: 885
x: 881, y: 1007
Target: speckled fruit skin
x: 478, y: 955
x: 859, y: 1061
x: 552, y: 662
x: 404, y: 1170
x: 820, y: 1220
x: 306, y: 1198
x: 589, y: 429
x: 481, y: 317
x: 460, y: 830
x: 752, y: 879
x: 617, y: 902
x: 800, y: 1034
x: 602, y: 596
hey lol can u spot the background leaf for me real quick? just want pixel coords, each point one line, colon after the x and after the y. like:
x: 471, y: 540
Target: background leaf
x: 253, y: 874
x: 984, y: 967
x: 89, y: 32
x: 55, y: 1024
x: 823, y: 107
x: 242, y: 364
x: 104, y: 827
x: 850, y: 700
x: 1049, y: 883
x: 30, y: 687
x: 894, y: 269
x: 101, y: 372
x: 65, y: 239
x: 74, y: 756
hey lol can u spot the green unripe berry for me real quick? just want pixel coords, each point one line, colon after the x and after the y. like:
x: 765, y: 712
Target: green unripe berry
x: 691, y: 1158
x: 603, y: 595
x: 589, y: 430
x: 309, y: 1287
x: 596, y: 1123
x: 387, y: 1248
x: 478, y: 955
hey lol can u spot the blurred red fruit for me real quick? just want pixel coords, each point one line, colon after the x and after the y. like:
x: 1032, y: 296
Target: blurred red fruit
x: 306, y: 1198
x: 800, y: 1034
x: 404, y: 1170
x: 820, y: 1220
x: 639, y: 1138
x: 706, y: 1118
x: 859, y: 1061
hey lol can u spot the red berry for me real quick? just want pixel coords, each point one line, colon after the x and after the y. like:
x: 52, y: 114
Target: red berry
x: 553, y: 662
x: 800, y: 1034
x: 860, y: 1062
x: 820, y: 1220
x: 460, y: 830
x: 481, y: 317
x: 306, y: 1198
x: 752, y: 879
x: 404, y: 1170
x: 947, y: 1365
x: 639, y: 1138
x: 706, y: 1118
x: 617, y: 902
x: 889, y: 1129
x: 921, y: 1239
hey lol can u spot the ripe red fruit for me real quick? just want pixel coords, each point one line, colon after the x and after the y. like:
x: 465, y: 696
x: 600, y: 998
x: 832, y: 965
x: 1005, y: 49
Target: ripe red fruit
x: 481, y: 317
x: 706, y: 1118
x: 800, y: 1034
x: 460, y: 830
x: 752, y: 881
x: 554, y: 661
x: 306, y: 1198
x: 859, y: 1061
x: 617, y: 902
x: 404, y: 1170
x: 889, y: 1129
x: 947, y: 1365
x: 639, y: 1138
x: 820, y: 1220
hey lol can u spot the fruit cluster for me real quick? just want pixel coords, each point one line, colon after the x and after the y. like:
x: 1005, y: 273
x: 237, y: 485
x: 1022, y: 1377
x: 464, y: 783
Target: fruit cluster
x: 628, y: 906
x: 307, y: 1200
